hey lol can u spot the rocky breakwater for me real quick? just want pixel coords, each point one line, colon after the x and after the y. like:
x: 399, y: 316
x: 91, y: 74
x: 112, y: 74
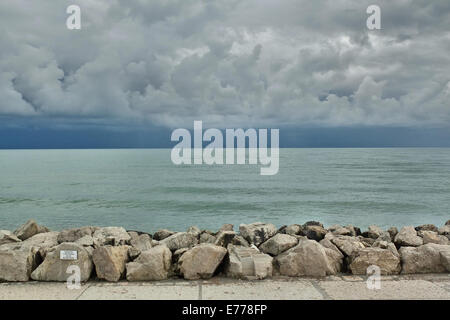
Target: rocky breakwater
x: 257, y: 251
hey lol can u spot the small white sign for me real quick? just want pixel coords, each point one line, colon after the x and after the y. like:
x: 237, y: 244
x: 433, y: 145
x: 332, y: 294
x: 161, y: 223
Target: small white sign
x: 68, y: 255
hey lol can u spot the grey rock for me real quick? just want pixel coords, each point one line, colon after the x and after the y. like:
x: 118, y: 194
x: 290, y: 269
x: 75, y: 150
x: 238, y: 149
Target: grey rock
x: 293, y: 229
x: 226, y: 227
x: 29, y: 229
x: 115, y: 236
x: 393, y: 232
x: 207, y: 238
x: 424, y: 259
x: 224, y: 238
x: 312, y: 223
x: 139, y: 242
x: 248, y: 263
x: 374, y: 232
x: 162, y: 234
x: 308, y: 258
x: 347, y: 244
x: 201, y: 261
x: 314, y: 232
x: 240, y: 241
x: 7, y: 237
x: 385, y: 259
x: 258, y: 232
x: 55, y: 269
x: 427, y: 227
x: 180, y: 240
x: 152, y: 264
x: 17, y: 261
x: 194, y: 230
x: 72, y: 235
x: 278, y: 244
x: 110, y: 262
x: 433, y: 237
x: 408, y: 237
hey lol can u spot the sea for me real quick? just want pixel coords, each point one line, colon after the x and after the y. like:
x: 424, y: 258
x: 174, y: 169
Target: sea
x: 141, y: 189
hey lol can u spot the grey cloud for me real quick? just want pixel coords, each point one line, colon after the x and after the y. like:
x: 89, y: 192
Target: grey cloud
x: 246, y: 63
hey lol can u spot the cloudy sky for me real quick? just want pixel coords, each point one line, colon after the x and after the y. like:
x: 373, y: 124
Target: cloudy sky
x: 161, y: 64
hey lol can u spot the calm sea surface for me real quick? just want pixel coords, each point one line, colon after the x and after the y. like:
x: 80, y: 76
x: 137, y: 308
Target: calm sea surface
x: 141, y: 189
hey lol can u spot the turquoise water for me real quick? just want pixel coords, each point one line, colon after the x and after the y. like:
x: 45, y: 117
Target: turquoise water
x: 141, y: 189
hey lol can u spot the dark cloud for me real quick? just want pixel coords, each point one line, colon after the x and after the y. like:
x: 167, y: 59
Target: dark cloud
x: 228, y: 63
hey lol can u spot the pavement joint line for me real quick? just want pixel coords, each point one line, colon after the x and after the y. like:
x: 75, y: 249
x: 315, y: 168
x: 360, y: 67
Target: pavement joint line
x: 322, y: 291
x: 200, y: 290
x: 82, y: 292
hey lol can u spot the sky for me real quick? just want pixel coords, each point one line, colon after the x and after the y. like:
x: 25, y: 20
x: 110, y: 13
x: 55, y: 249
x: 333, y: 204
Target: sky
x: 138, y: 69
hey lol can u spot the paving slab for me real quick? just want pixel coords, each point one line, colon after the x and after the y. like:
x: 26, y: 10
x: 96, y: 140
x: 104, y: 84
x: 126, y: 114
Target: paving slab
x: 39, y: 291
x: 389, y: 290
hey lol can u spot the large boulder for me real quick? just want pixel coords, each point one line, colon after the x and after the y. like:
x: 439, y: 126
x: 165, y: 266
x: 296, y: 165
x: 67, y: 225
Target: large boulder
x: 162, y: 234
x: 17, y: 261
x: 224, y: 238
x: 139, y: 243
x: 424, y: 259
x: 278, y: 244
x: 408, y: 237
x: 180, y: 240
x: 374, y: 232
x: 152, y: 264
x: 340, y: 230
x: 314, y: 232
x: 385, y: 259
x: 201, y: 261
x: 207, y: 238
x: 194, y: 230
x: 43, y: 242
x: 248, y: 263
x: 73, y: 235
x: 308, y: 258
x: 55, y: 269
x: 393, y: 232
x: 29, y: 229
x: 433, y: 237
x: 258, y: 232
x: 427, y: 227
x: 445, y: 259
x: 7, y: 237
x: 444, y: 231
x: 115, y: 236
x: 347, y: 244
x: 110, y: 262
x: 293, y: 229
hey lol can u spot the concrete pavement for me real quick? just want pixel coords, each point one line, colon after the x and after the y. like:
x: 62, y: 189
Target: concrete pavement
x: 428, y: 286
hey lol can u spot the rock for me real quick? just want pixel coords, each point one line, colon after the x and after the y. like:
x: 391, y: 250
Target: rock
x: 257, y: 232
x: 278, y: 244
x: 7, y: 237
x: 408, y: 237
x: 312, y: 223
x: 293, y: 229
x: 180, y: 240
x: 444, y: 231
x: 387, y: 261
x: 393, y: 232
x: 43, y: 242
x: 427, y: 227
x: 308, y: 258
x: 240, y: 241
x: 201, y: 261
x: 447, y: 223
x: 226, y: 227
x: 194, y: 230
x: 55, y: 269
x: 85, y: 241
x: 445, y: 259
x: 115, y: 236
x: 17, y: 261
x: 207, y: 238
x: 347, y: 244
x: 424, y: 259
x: 110, y: 262
x: 175, y: 267
x: 29, y: 229
x: 224, y: 238
x: 384, y: 237
x: 340, y: 231
x: 72, y: 235
x: 433, y: 237
x: 152, y: 264
x: 314, y: 232
x: 374, y: 232
x: 387, y: 245
x: 162, y: 234
x: 355, y: 231
x: 140, y: 242
x: 248, y: 263
x: 367, y: 242
x: 328, y: 244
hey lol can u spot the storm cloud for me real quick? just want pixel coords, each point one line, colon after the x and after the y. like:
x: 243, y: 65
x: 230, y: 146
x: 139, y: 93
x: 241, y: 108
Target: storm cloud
x: 229, y: 63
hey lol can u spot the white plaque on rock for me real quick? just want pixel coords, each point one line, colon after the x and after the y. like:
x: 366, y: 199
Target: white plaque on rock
x: 68, y: 255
